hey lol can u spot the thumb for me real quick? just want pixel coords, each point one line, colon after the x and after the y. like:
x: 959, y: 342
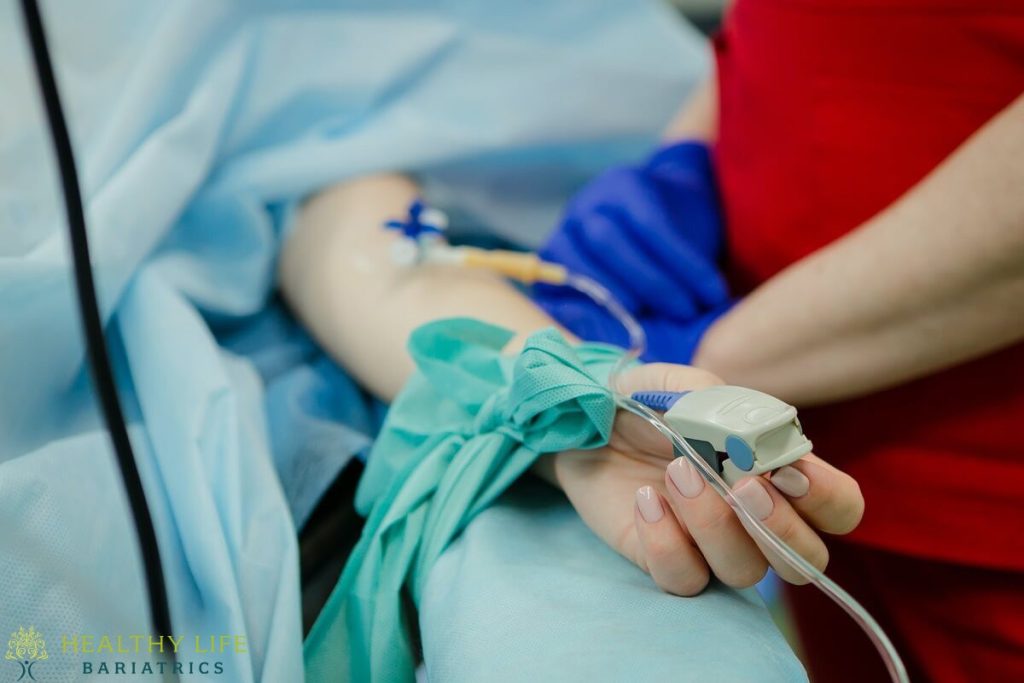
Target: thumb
x: 633, y: 429
x: 666, y: 377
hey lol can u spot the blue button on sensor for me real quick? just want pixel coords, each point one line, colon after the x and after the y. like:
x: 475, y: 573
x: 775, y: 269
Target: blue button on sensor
x: 739, y: 452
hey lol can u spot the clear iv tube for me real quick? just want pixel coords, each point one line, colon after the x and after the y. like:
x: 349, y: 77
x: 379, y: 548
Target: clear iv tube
x: 767, y: 538
x: 601, y: 296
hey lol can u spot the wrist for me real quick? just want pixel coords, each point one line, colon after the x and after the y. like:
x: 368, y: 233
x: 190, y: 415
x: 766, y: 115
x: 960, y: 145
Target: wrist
x: 710, y: 353
x: 544, y: 468
x: 557, y: 468
x: 672, y: 341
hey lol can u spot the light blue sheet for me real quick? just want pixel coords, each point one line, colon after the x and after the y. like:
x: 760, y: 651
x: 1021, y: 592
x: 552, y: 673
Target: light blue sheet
x: 197, y: 125
x: 528, y: 593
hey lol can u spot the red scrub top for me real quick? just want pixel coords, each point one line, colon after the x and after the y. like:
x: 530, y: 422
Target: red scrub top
x: 829, y: 111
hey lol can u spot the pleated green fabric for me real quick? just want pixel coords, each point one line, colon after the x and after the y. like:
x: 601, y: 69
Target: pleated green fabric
x: 469, y: 423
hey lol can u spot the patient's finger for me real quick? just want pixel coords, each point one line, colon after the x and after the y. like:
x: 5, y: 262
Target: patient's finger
x: 668, y: 553
x: 771, y: 507
x: 665, y: 377
x: 727, y: 547
x: 823, y: 495
x: 635, y: 430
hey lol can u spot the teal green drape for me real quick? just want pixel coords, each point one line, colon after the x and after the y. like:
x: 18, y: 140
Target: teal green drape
x: 463, y: 429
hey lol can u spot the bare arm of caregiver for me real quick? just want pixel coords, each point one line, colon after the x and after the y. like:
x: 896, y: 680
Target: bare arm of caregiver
x: 337, y: 275
x: 934, y: 280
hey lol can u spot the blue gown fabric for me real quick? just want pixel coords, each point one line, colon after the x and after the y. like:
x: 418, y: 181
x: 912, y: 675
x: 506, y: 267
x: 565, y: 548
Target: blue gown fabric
x: 197, y: 127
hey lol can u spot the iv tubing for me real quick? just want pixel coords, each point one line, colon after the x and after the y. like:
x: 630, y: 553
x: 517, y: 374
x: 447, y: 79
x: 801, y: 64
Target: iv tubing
x: 525, y: 267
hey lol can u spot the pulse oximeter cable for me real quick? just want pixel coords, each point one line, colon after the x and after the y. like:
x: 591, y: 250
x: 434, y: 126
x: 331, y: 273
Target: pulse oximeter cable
x: 96, y: 347
x: 768, y: 539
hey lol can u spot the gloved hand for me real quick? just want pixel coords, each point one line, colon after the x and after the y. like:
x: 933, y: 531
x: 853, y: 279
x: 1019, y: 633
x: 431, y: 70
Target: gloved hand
x: 669, y: 340
x: 652, y: 235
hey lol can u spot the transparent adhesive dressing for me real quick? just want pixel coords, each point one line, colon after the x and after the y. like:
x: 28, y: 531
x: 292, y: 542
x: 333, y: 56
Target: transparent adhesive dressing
x: 768, y: 540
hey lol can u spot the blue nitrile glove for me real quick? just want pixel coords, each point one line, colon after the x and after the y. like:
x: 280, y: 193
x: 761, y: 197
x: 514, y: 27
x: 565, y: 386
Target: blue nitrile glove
x: 652, y: 235
x: 669, y: 340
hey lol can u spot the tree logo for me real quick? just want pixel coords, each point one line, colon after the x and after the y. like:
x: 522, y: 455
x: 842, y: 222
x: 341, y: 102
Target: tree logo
x: 27, y: 648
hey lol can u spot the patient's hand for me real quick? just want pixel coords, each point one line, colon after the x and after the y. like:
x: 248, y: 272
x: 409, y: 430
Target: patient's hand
x: 659, y: 513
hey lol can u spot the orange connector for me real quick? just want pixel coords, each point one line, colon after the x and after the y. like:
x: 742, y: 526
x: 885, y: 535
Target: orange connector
x: 526, y: 267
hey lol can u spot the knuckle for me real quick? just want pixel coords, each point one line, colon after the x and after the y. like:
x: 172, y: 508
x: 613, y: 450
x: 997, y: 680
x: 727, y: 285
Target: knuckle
x: 687, y: 377
x: 629, y: 547
x: 792, y: 577
x: 854, y: 511
x: 601, y: 230
x: 819, y: 557
x: 687, y: 584
x: 823, y: 495
x: 744, y: 574
x: 658, y: 551
x: 714, y: 519
x: 836, y: 506
x: 706, y: 378
x: 787, y: 526
x: 847, y: 511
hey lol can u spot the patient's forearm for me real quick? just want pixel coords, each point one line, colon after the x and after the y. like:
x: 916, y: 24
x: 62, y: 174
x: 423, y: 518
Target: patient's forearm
x: 337, y: 275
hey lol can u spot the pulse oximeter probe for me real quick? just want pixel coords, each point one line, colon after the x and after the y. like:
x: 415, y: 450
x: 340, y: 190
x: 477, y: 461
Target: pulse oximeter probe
x: 738, y: 431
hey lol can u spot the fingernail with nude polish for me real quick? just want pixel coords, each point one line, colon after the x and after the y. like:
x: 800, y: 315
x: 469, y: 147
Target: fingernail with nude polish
x: 648, y: 504
x: 755, y: 497
x: 791, y: 481
x: 685, y: 477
